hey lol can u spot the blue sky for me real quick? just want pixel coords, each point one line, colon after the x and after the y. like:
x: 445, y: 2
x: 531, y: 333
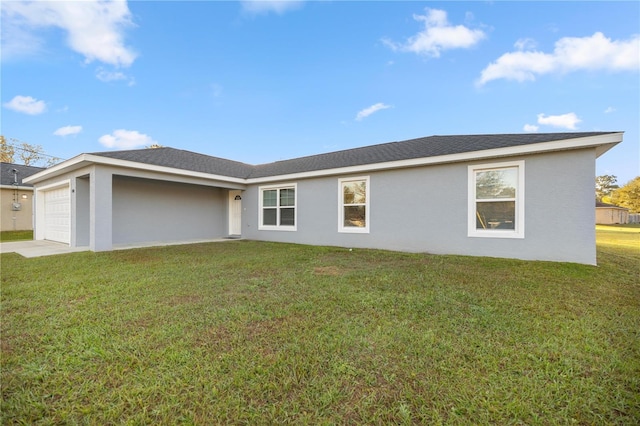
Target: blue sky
x: 265, y: 81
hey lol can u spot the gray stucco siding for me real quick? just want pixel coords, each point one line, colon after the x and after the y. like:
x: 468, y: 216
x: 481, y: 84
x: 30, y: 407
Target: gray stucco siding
x: 425, y: 209
x: 147, y: 210
x: 404, y: 205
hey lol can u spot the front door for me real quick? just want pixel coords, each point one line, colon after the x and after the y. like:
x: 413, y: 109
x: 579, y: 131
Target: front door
x: 235, y: 212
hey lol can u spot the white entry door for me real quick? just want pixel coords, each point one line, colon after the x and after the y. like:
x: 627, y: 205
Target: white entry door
x: 235, y: 212
x: 57, y: 215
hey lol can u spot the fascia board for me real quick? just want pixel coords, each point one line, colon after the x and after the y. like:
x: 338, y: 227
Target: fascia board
x: 612, y: 207
x: 19, y: 187
x: 64, y: 167
x: 608, y: 141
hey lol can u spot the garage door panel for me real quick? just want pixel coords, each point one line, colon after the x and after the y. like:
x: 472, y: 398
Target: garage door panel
x: 57, y: 215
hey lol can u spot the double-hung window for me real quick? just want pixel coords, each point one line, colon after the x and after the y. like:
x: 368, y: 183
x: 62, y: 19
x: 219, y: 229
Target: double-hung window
x: 278, y: 207
x: 353, y: 205
x: 496, y: 200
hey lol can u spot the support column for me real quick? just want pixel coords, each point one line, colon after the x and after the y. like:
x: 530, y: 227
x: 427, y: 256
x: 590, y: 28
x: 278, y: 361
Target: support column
x: 101, y: 220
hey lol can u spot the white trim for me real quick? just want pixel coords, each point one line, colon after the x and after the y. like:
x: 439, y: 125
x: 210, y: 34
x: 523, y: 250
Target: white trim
x: 19, y: 187
x: 472, y: 231
x: 367, y: 206
x: 277, y: 227
x: 612, y: 207
x: 65, y: 182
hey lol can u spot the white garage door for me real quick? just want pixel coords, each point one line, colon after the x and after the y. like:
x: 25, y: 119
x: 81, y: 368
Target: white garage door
x: 57, y: 218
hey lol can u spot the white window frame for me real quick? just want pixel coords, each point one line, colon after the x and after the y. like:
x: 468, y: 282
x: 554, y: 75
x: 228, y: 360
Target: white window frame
x: 518, y: 232
x: 278, y: 227
x: 341, y: 205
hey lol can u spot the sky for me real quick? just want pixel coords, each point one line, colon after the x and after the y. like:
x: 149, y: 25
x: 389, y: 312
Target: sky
x: 261, y: 81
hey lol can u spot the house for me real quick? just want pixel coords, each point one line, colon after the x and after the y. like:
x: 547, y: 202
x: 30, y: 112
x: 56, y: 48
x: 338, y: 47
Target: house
x: 609, y: 214
x: 16, y: 197
x: 480, y: 195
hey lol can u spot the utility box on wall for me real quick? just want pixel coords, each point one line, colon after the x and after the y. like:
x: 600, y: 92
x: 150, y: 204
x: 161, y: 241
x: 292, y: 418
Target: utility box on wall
x: 16, y: 197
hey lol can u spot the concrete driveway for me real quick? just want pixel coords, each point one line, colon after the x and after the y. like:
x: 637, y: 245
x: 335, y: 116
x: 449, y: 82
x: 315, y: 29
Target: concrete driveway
x: 37, y: 248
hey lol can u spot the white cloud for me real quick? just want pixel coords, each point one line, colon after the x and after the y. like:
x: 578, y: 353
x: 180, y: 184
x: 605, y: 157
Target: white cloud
x: 15, y: 41
x: 370, y: 110
x: 68, y: 130
x: 525, y: 44
x: 596, y: 52
x: 27, y: 105
x: 530, y: 128
x: 94, y: 28
x: 566, y: 121
x: 126, y: 139
x: 108, y: 76
x: 438, y: 35
x: 265, y: 6
x: 609, y: 110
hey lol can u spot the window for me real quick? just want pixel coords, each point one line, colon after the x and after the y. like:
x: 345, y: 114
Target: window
x: 278, y: 208
x: 353, y: 203
x: 496, y: 200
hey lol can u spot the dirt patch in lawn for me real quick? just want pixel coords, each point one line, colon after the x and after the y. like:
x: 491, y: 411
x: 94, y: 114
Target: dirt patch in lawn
x: 332, y: 271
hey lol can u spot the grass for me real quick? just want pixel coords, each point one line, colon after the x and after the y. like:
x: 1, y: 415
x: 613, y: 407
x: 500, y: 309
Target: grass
x: 6, y: 236
x: 244, y: 332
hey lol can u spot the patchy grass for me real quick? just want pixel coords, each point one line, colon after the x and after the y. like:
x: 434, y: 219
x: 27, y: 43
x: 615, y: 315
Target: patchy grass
x: 6, y: 236
x: 247, y: 332
x: 620, y: 238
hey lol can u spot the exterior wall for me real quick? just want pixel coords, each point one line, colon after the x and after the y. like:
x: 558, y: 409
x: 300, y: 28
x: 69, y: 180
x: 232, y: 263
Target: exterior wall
x: 82, y: 235
x: 425, y: 210
x: 16, y: 220
x: 146, y: 207
x: 155, y: 211
x: 611, y: 215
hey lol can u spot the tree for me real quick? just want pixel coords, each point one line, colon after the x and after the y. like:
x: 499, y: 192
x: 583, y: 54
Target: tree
x: 605, y: 184
x: 628, y: 196
x: 6, y: 151
x: 29, y: 155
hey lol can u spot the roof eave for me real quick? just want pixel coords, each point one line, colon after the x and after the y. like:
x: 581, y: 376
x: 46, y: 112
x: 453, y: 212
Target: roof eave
x: 66, y: 166
x: 84, y: 160
x: 18, y: 187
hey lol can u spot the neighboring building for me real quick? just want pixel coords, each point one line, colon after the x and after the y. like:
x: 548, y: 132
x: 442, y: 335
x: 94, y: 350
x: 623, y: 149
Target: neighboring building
x: 479, y: 195
x: 16, y: 197
x: 609, y: 214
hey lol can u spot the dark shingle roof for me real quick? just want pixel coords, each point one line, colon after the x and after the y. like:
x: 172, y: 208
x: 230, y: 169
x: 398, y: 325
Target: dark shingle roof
x: 431, y: 146
x: 181, y: 159
x: 7, y: 175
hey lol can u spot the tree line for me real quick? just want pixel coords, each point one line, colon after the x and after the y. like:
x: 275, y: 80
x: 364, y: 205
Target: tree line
x: 627, y: 196
x: 25, y: 153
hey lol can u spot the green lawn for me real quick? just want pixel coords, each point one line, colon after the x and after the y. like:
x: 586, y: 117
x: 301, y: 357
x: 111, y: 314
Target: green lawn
x: 243, y: 332
x: 6, y: 236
